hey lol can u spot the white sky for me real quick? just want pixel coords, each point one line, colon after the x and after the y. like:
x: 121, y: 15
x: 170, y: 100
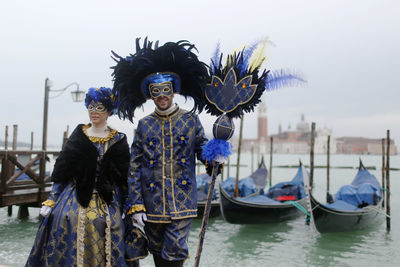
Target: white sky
x: 347, y: 50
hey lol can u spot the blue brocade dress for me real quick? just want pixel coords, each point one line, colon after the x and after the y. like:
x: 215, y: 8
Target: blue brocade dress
x: 72, y: 235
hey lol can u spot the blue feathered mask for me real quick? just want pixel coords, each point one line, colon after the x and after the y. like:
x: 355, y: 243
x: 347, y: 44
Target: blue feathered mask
x: 103, y: 95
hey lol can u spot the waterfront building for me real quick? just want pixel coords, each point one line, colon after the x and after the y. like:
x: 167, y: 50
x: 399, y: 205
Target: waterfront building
x: 298, y: 140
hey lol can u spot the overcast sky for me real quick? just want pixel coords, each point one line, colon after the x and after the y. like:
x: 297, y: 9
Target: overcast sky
x: 347, y: 50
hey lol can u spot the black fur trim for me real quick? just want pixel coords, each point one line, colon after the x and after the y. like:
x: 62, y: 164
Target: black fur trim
x: 77, y: 162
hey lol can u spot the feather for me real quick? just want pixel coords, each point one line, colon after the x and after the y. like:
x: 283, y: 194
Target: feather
x: 216, y: 147
x: 215, y: 59
x: 283, y: 78
x: 248, y: 52
x: 258, y: 56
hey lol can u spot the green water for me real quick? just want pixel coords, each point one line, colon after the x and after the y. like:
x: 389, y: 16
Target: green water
x: 292, y: 243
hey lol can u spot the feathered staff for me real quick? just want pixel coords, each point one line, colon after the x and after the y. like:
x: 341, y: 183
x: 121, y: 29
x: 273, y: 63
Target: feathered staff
x: 234, y: 89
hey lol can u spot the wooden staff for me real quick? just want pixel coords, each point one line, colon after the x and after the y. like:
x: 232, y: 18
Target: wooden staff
x: 206, y: 214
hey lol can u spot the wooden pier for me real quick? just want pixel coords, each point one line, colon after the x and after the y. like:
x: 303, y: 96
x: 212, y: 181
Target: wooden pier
x: 35, y: 186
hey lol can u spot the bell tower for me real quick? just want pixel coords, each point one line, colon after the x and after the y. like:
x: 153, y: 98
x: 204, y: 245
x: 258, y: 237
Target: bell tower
x: 262, y: 123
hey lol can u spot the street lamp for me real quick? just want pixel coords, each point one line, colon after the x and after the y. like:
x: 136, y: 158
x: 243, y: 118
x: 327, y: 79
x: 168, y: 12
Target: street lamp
x: 77, y: 96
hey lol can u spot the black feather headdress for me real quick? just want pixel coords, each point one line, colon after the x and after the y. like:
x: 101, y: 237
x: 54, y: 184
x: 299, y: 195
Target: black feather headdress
x: 173, y: 60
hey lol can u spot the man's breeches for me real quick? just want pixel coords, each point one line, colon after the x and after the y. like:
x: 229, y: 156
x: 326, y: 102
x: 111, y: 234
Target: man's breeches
x: 169, y: 240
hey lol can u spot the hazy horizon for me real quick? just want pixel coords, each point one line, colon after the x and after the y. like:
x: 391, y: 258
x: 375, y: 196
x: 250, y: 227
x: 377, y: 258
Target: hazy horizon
x: 347, y: 51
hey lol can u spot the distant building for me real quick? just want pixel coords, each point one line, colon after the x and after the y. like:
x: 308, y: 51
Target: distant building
x: 298, y: 141
x: 362, y: 145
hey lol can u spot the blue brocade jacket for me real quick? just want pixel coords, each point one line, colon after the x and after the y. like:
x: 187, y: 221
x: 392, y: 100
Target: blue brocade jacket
x: 161, y: 177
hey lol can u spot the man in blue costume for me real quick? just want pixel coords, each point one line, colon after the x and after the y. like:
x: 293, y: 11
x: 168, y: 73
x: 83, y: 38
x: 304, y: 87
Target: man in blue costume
x: 161, y: 179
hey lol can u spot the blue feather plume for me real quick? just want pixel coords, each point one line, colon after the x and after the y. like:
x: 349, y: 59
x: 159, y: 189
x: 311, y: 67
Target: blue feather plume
x: 216, y: 147
x: 215, y: 59
x: 247, y: 53
x: 282, y: 78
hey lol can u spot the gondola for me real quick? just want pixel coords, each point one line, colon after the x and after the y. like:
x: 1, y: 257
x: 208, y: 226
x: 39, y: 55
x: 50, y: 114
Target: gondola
x: 282, y: 202
x: 202, y: 192
x: 357, y: 206
x: 259, y: 177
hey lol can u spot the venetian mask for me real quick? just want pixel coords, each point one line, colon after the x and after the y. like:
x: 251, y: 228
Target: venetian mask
x: 96, y: 107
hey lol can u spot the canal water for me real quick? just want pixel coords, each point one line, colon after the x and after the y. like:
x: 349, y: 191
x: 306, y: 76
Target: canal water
x: 291, y: 243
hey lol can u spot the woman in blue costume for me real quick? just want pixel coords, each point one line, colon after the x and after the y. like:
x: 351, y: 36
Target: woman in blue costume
x: 83, y: 218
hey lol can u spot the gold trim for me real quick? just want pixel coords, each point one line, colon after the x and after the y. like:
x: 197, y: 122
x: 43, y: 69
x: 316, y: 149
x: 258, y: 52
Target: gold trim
x: 80, y: 236
x: 241, y: 103
x: 184, y: 217
x: 152, y: 221
x: 137, y: 258
x: 171, y: 164
x: 108, y: 235
x: 136, y: 208
x: 163, y: 166
x: 183, y: 211
x: 187, y: 244
x: 50, y: 203
x: 99, y: 139
x: 158, y: 215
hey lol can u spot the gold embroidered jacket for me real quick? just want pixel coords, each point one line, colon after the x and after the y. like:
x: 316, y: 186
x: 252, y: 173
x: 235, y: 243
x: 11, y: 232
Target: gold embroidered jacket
x: 162, y: 178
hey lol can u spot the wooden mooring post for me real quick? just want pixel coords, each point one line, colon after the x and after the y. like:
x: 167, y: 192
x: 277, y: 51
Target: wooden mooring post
x: 388, y: 180
x: 312, y: 155
x: 270, y: 160
x: 252, y: 157
x: 383, y: 172
x: 236, y: 194
x: 31, y: 140
x: 328, y: 147
x: 6, y: 138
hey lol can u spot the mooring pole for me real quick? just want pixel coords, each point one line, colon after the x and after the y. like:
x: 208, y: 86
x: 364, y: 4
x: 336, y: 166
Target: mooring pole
x: 31, y: 140
x: 388, y: 180
x: 238, y: 158
x: 312, y: 155
x: 328, y: 168
x: 6, y: 138
x: 15, y: 137
x: 252, y: 158
x: 383, y: 171
x: 270, y: 160
x: 229, y: 167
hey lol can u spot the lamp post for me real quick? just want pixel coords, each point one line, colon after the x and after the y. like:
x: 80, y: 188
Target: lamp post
x: 77, y: 96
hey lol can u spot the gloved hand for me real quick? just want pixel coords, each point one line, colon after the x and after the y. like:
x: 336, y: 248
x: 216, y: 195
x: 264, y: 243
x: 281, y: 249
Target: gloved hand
x: 209, y: 168
x: 220, y: 159
x: 45, y: 210
x: 140, y: 218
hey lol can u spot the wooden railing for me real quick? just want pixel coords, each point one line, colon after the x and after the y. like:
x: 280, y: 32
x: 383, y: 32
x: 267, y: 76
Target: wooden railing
x: 30, y: 191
